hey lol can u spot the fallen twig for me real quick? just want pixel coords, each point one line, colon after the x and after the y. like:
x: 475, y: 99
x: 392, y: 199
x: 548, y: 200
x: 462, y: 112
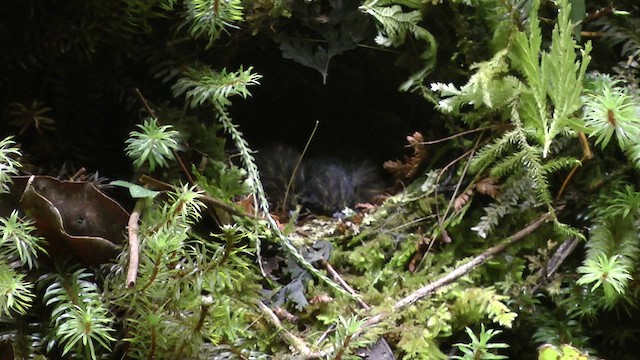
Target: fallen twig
x: 299, y: 344
x: 134, y: 249
x: 334, y: 274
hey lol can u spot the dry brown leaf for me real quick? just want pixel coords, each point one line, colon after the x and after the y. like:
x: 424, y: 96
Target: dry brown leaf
x: 462, y: 199
x: 409, y: 166
x: 321, y: 298
x: 488, y: 186
x: 246, y: 204
x: 422, y: 247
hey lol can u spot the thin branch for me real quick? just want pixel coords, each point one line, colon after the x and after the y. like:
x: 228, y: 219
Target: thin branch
x: 336, y: 276
x: 209, y: 200
x: 294, y: 341
x: 134, y: 243
x: 461, y: 270
x: 460, y: 134
x: 295, y: 169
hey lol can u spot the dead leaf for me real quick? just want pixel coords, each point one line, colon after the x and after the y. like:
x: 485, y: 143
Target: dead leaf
x: 488, y: 186
x: 408, y: 167
x: 320, y: 299
x: 422, y: 247
x: 74, y: 216
x: 462, y: 200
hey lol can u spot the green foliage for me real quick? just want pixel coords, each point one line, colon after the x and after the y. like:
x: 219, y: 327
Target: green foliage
x: 612, y: 248
x: 565, y: 352
x: 224, y: 181
x: 15, y: 293
x: 209, y: 19
x: 489, y: 86
x: 608, y: 110
x: 394, y: 27
x: 18, y: 248
x: 205, y: 280
x: 205, y: 85
x: 555, y: 75
x: 606, y: 272
x: 8, y: 165
x: 475, y: 303
x: 18, y: 241
x: 395, y: 23
x: 153, y: 145
x: 540, y: 107
x: 345, y: 339
x: 480, y: 346
x: 81, y: 322
x: 214, y: 89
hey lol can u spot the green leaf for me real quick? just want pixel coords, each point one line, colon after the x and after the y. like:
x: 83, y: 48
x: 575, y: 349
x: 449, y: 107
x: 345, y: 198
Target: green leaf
x: 136, y: 190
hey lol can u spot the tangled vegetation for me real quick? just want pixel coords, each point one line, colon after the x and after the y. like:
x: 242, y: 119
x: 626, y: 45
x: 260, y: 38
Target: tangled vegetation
x: 511, y: 231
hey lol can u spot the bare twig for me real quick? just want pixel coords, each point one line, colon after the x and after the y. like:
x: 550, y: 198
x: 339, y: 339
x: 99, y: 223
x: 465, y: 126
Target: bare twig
x: 134, y: 249
x: 561, y: 254
x: 299, y: 344
x: 297, y: 166
x: 336, y: 276
x: 460, y: 134
x: 209, y: 200
x: 78, y: 174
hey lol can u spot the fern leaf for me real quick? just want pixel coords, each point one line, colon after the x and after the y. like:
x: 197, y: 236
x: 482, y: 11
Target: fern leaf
x: 556, y: 74
x: 396, y: 24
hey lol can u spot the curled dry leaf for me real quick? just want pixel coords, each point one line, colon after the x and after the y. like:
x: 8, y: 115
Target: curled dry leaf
x: 408, y: 167
x: 73, y: 216
x: 488, y: 186
x: 321, y: 298
x: 462, y: 199
x: 421, y: 249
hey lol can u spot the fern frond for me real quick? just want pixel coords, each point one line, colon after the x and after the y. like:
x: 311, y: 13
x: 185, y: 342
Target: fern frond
x: 475, y: 303
x: 508, y: 164
x: 495, y: 150
x: 488, y: 87
x: 517, y: 194
x: 621, y: 30
x: 556, y: 75
x: 396, y: 24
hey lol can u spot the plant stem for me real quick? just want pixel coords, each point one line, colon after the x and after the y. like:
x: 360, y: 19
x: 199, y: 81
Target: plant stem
x: 134, y: 243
